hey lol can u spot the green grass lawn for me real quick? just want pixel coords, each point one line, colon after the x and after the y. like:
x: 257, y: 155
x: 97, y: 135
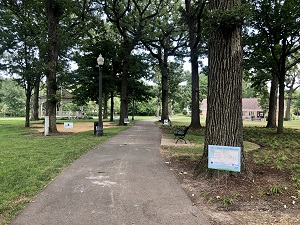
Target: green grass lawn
x: 29, y: 163
x: 279, y: 151
x: 185, y: 120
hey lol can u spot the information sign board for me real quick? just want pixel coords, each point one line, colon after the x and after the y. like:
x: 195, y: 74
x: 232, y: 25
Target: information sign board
x: 224, y: 158
x: 68, y: 125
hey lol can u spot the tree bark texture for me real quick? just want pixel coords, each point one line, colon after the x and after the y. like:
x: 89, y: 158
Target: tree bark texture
x: 224, y: 125
x: 35, y: 101
x: 124, y: 102
x: 105, y: 110
x: 289, y: 102
x: 124, y: 85
x: 112, y: 106
x: 273, y: 102
x: 158, y: 106
x: 53, y: 14
x: 164, y: 91
x: 27, y: 108
x: 28, y: 89
x: 195, y: 120
x: 163, y: 63
x: 281, y: 104
x: 281, y: 80
x: 288, y: 105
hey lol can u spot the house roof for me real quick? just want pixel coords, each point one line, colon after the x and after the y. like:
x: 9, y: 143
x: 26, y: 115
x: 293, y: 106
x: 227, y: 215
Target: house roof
x: 249, y: 104
x: 65, y: 95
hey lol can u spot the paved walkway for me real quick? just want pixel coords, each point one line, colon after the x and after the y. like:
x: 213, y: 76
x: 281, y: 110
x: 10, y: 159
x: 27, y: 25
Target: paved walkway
x: 124, y: 181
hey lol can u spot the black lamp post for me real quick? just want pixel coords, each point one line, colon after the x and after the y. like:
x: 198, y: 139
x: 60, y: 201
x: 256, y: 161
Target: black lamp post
x: 100, y: 62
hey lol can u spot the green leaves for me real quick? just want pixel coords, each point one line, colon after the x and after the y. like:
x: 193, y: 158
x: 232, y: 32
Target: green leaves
x: 12, y: 98
x: 228, y: 19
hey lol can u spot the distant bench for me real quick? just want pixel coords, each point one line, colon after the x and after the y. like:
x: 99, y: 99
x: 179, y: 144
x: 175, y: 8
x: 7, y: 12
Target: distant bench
x: 180, y: 133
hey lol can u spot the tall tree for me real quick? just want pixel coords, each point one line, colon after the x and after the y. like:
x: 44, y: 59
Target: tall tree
x: 224, y: 125
x: 161, y: 52
x: 194, y: 13
x: 21, y: 21
x: 278, y: 22
x: 260, y: 69
x: 54, y: 11
x: 130, y: 19
x: 272, y: 113
x: 166, y: 38
x: 67, y: 22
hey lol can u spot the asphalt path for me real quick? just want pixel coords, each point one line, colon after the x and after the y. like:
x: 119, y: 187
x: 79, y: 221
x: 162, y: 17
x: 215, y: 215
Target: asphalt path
x: 123, y: 181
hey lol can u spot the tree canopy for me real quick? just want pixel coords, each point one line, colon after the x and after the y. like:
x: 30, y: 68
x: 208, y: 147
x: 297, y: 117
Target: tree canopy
x: 139, y: 39
x: 275, y: 29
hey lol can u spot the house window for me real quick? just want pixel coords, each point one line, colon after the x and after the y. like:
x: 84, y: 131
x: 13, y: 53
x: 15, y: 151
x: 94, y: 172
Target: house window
x: 260, y: 114
x: 251, y: 113
x: 243, y: 113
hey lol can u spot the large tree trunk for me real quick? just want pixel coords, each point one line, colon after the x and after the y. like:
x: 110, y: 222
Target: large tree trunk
x: 35, y: 101
x: 165, y: 80
x: 124, y: 102
x: 53, y: 13
x: 288, y: 104
x: 124, y: 86
x: 273, y: 102
x: 105, y: 110
x: 195, y: 120
x: 158, y: 107
x: 164, y: 92
x: 27, y: 107
x: 291, y: 91
x: 111, y: 106
x: 281, y: 80
x: 28, y: 89
x: 162, y: 54
x: 224, y: 125
x: 194, y: 27
x: 281, y: 104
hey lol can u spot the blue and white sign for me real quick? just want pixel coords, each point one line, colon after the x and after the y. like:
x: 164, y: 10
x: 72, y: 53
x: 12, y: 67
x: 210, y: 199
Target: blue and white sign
x: 224, y: 158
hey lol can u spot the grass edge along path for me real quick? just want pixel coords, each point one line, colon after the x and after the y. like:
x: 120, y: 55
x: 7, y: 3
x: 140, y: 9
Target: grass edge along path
x: 29, y: 162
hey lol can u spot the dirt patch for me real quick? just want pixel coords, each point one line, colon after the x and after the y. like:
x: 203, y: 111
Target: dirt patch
x: 77, y: 127
x: 265, y: 196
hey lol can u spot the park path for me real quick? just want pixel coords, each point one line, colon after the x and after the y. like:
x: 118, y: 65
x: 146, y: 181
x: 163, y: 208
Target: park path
x: 123, y: 181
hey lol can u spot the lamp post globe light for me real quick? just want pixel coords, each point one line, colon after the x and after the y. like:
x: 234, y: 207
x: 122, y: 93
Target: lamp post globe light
x: 100, y: 62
